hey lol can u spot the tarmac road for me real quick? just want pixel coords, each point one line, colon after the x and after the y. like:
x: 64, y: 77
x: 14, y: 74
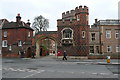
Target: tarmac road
x: 49, y: 67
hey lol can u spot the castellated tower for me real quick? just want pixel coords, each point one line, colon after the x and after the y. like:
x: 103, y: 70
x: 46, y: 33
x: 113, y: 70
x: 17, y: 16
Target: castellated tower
x: 73, y: 32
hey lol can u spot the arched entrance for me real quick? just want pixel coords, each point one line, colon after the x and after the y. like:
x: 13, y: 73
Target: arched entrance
x: 46, y: 45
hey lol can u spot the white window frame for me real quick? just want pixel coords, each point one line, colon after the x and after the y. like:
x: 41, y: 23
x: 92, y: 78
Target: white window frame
x: 109, y: 48
x: 3, y: 43
x: 5, y: 33
x: 117, y: 33
x: 63, y: 35
x: 118, y: 48
x: 29, y: 34
x: 83, y: 34
x: 19, y: 43
x: 108, y: 34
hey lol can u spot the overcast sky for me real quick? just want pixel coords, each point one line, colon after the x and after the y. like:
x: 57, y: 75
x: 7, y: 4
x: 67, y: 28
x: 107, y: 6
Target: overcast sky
x: 53, y: 9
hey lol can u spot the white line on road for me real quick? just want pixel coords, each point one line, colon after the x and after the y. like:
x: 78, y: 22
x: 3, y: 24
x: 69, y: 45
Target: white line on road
x: 34, y: 74
x: 32, y: 71
x: 21, y: 70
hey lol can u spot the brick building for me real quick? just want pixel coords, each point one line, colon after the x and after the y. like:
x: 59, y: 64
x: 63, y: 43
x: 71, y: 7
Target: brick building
x: 16, y: 36
x: 73, y: 32
x: 2, y: 22
x: 109, y: 36
x: 94, y: 39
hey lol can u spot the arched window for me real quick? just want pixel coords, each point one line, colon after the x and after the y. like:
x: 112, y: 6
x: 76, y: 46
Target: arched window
x: 67, y: 33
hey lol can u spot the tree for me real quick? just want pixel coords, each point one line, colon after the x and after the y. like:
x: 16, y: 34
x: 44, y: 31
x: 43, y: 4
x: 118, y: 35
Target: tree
x: 40, y: 24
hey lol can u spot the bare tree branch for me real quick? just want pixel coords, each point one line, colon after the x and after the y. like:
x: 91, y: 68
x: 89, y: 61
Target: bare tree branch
x: 40, y: 24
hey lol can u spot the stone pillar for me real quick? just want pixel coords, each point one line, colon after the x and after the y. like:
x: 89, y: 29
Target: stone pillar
x: 37, y: 49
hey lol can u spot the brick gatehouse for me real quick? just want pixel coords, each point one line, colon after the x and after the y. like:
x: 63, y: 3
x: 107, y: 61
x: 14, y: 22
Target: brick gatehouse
x: 73, y: 32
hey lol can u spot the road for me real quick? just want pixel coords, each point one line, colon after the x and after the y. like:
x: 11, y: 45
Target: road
x: 49, y: 67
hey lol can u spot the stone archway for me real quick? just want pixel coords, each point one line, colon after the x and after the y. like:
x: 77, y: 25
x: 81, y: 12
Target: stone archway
x: 39, y: 39
x: 42, y: 49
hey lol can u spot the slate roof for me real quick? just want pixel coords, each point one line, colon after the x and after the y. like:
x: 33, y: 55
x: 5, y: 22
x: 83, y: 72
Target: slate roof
x: 16, y: 25
x: 109, y: 22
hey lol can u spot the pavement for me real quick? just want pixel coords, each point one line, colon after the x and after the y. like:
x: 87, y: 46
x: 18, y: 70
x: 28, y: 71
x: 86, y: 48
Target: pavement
x: 80, y: 60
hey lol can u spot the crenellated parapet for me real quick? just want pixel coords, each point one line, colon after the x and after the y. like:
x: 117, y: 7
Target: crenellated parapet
x: 72, y: 13
x: 62, y: 22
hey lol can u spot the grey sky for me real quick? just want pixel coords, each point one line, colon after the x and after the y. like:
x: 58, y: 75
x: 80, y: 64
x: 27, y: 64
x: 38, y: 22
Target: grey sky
x: 53, y: 9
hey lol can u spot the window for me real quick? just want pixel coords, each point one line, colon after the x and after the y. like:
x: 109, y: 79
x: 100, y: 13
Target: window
x: 78, y: 18
x: 116, y: 34
x: 28, y: 34
x: 10, y: 47
x: 19, y: 43
x: 118, y: 48
x: 109, y: 49
x: 83, y: 34
x: 93, y: 36
x: 108, y: 34
x: 67, y: 34
x: 5, y: 33
x: 97, y: 49
x: 4, y: 43
x: 91, y: 49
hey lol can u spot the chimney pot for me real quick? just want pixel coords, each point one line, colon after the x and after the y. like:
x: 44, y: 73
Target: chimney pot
x: 18, y: 18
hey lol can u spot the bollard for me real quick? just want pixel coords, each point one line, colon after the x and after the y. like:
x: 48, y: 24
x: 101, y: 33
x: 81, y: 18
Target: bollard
x: 108, y: 59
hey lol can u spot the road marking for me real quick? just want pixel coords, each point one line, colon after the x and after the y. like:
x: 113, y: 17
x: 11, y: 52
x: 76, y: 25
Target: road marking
x: 11, y: 69
x: 34, y: 74
x: 32, y: 71
x: 20, y: 70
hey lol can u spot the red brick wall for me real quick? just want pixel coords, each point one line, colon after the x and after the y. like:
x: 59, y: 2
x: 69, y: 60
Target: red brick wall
x: 13, y: 35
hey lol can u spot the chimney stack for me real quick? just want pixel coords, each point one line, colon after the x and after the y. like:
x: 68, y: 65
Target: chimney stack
x: 28, y: 23
x: 96, y: 20
x: 18, y: 18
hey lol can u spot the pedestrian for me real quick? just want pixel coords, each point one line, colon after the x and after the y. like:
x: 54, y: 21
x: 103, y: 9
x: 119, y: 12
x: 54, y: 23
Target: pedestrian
x: 64, y: 55
x: 22, y: 53
x: 33, y: 53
